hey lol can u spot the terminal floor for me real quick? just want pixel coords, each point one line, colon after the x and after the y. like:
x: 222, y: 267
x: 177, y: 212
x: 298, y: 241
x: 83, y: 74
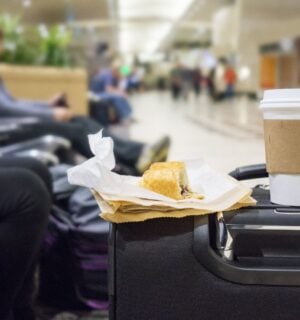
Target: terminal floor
x: 224, y: 134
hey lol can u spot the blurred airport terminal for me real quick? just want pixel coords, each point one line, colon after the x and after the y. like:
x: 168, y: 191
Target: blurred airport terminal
x: 167, y: 79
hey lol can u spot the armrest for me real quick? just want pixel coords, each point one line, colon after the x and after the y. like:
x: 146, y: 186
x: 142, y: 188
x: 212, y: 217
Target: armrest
x: 250, y: 172
x: 8, y: 130
x: 8, y: 127
x: 17, y: 122
x: 43, y: 156
x: 49, y: 143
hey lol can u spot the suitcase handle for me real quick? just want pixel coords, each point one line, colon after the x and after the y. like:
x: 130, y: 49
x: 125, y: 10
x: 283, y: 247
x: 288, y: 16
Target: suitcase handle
x: 205, y: 251
x: 250, y: 172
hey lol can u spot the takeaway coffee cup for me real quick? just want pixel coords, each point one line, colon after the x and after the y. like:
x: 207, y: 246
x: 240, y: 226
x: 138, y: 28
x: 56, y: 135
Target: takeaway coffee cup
x: 281, y: 113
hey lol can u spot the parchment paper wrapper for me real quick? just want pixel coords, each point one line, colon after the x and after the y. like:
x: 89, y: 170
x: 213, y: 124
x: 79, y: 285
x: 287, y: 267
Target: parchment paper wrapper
x: 122, y: 200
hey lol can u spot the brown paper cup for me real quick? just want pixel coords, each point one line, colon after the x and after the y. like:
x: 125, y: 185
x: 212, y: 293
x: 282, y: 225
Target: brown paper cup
x: 281, y: 111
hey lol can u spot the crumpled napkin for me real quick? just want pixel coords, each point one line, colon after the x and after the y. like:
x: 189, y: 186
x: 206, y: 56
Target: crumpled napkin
x: 121, y: 199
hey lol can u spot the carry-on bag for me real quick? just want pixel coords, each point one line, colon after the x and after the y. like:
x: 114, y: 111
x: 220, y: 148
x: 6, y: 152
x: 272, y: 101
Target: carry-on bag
x: 243, y: 264
x: 73, y: 263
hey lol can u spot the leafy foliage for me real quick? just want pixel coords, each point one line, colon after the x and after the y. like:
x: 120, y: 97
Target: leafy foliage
x: 54, y: 46
x: 36, y: 45
x: 17, y: 48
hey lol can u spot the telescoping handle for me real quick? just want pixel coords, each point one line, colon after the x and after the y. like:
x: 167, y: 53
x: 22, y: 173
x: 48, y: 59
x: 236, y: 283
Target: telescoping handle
x: 274, y: 258
x: 250, y: 172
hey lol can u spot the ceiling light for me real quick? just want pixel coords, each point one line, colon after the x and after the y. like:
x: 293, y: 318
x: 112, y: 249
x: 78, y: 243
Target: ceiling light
x: 166, y: 9
x: 145, y: 24
x: 136, y: 38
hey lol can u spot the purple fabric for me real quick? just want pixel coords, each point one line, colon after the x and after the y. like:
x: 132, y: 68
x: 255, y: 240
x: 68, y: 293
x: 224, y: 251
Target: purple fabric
x: 97, y: 304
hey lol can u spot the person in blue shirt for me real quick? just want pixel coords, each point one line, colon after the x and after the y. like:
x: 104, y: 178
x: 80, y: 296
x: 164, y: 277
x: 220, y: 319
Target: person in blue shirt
x: 105, y: 85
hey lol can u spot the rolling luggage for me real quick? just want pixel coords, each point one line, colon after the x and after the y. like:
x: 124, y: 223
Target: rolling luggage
x: 244, y: 264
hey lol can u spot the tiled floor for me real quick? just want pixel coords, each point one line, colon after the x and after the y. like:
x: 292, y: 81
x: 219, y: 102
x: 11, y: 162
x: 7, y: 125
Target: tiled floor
x: 226, y: 134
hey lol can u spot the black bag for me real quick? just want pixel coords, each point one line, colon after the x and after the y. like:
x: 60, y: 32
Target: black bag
x: 244, y: 265
x: 104, y: 112
x: 73, y: 264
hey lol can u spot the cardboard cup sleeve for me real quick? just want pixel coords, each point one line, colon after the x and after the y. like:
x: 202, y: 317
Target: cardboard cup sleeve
x: 282, y: 141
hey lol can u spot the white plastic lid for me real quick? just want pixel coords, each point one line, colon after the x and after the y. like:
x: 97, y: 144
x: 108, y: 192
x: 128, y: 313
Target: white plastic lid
x: 281, y: 96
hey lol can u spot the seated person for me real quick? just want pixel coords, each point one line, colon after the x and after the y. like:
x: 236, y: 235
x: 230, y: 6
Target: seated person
x: 105, y: 85
x: 60, y: 121
x: 24, y: 206
x: 134, y: 81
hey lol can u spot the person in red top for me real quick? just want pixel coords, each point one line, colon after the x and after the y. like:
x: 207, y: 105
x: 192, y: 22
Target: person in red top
x: 230, y: 80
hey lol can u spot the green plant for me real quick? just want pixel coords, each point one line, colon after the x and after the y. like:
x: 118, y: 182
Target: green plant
x: 54, y: 44
x: 34, y: 45
x: 18, y: 48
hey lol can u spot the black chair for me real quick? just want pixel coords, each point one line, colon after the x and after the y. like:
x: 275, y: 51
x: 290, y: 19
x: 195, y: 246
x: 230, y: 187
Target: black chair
x: 46, y: 148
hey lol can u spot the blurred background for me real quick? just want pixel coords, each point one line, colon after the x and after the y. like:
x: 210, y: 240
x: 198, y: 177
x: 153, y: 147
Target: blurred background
x: 192, y: 69
x: 188, y: 72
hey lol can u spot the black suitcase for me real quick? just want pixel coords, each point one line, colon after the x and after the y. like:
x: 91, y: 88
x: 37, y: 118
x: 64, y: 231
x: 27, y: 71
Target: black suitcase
x: 243, y: 265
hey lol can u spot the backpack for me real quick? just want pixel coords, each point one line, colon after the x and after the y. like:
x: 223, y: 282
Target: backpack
x: 73, y: 263
x: 104, y: 112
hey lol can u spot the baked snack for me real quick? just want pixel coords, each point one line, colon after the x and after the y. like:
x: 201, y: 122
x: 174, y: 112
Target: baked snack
x: 177, y: 166
x: 169, y: 179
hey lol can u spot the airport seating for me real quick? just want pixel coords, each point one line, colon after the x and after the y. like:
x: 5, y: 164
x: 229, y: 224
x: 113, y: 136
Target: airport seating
x: 47, y: 149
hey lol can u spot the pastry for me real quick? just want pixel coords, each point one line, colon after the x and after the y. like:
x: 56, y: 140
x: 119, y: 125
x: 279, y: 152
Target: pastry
x: 169, y: 179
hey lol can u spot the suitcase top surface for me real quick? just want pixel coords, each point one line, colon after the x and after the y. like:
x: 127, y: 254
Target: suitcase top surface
x: 264, y: 213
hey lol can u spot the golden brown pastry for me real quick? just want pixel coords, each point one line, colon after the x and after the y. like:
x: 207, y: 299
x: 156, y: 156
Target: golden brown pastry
x: 169, y: 179
x: 168, y: 165
x: 163, y: 181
